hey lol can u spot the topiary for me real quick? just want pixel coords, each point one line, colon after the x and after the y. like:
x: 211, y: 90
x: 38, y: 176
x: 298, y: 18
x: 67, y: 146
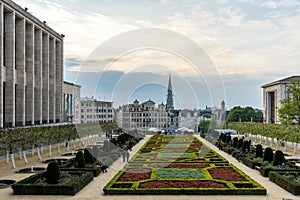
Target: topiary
x: 258, y: 151
x: 268, y: 154
x: 245, y: 146
x: 240, y: 143
x: 88, y: 157
x: 235, y: 142
x: 52, y: 173
x: 278, y: 158
x: 228, y: 138
x: 80, y: 159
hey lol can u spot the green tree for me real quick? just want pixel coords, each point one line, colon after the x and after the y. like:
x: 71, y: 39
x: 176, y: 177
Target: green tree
x: 289, y: 113
x: 247, y: 114
x: 203, y: 125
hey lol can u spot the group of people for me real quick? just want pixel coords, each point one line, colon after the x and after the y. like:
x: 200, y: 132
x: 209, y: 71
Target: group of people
x: 125, y: 155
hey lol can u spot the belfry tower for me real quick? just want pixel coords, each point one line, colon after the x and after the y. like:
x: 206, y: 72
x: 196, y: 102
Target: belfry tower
x: 169, y: 105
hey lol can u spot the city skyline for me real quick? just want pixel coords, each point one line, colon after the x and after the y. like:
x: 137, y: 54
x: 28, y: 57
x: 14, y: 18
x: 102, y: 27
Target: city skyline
x: 249, y: 42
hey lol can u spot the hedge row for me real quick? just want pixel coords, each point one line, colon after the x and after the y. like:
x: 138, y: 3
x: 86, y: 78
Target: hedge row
x: 29, y: 186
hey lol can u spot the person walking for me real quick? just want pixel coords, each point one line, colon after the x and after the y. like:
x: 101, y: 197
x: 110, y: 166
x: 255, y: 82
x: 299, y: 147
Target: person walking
x: 123, y: 155
x: 127, y: 155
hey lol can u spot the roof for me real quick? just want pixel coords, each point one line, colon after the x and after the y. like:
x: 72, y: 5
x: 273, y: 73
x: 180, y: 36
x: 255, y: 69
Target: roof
x: 281, y: 81
x: 65, y: 82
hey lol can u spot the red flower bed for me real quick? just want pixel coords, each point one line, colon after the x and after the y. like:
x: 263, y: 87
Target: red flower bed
x: 153, y: 146
x: 226, y: 174
x: 135, y: 174
x: 179, y: 165
x: 181, y: 184
x: 195, y: 145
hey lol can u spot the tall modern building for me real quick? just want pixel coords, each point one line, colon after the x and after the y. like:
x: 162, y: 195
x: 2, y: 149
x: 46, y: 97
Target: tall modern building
x: 31, y: 69
x: 169, y: 104
x: 273, y: 93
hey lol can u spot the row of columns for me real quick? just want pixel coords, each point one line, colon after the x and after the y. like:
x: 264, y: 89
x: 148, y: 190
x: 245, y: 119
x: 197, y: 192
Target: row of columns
x: 31, y: 69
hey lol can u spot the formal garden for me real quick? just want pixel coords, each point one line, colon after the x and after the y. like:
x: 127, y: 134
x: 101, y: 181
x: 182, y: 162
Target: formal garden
x: 64, y: 176
x: 180, y: 165
x: 268, y: 159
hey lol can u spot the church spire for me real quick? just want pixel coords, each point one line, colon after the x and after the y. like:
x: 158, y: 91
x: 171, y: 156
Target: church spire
x: 169, y: 95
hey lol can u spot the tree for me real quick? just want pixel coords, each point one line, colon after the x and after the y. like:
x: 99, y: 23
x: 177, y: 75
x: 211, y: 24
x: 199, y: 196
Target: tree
x: 289, y: 113
x: 203, y: 125
x: 247, y: 114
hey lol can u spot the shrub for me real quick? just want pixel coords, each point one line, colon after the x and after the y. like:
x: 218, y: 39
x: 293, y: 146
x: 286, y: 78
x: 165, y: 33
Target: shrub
x: 245, y: 146
x: 228, y: 138
x: 235, y: 142
x: 52, y: 173
x: 278, y: 158
x: 240, y: 143
x: 268, y: 154
x: 88, y: 157
x: 258, y: 151
x: 80, y: 159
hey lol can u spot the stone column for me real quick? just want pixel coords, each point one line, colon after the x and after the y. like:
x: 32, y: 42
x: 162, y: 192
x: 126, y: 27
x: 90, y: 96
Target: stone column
x: 59, y: 97
x: 38, y: 76
x: 52, y: 79
x: 29, y: 100
x: 9, y: 63
x: 21, y: 76
x: 1, y: 65
x: 45, y: 77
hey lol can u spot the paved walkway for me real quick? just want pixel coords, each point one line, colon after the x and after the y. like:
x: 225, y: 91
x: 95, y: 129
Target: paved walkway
x: 94, y: 189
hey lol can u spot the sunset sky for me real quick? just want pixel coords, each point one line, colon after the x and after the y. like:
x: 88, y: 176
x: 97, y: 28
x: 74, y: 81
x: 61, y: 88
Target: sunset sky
x: 214, y: 50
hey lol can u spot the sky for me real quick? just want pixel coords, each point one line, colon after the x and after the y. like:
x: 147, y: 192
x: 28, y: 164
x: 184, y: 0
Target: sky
x: 214, y: 50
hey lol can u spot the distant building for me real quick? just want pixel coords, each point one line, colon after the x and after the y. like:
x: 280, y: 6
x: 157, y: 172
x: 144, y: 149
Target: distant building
x: 142, y: 116
x: 273, y: 93
x: 170, y: 102
x: 188, y: 119
x: 31, y: 69
x: 219, y: 114
x: 71, y: 103
x: 93, y: 110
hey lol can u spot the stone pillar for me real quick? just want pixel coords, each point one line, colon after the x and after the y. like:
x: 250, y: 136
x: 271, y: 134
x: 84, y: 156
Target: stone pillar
x: 29, y: 69
x: 1, y: 65
x: 58, y: 95
x: 52, y: 79
x: 45, y: 78
x: 37, y: 76
x: 21, y: 76
x: 9, y: 63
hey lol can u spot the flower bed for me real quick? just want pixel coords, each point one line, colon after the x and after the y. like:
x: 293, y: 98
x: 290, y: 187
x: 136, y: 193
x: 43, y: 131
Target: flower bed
x: 181, y: 173
x: 227, y: 174
x: 181, y: 184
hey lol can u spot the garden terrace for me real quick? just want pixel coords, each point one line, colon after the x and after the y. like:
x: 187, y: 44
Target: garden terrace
x: 180, y: 165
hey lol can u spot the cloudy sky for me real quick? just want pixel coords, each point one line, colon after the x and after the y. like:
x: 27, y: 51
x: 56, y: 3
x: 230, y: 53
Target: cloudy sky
x: 214, y: 50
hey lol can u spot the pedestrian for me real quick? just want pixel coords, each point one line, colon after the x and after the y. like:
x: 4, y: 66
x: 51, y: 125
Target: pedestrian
x: 127, y: 155
x: 123, y: 155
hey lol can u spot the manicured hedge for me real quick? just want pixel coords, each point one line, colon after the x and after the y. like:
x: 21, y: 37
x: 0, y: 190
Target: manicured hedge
x: 250, y: 162
x: 30, y: 185
x: 289, y: 185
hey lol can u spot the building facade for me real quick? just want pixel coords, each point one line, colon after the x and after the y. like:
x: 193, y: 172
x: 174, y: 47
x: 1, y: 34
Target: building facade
x: 188, y: 119
x: 93, y: 110
x: 273, y: 93
x: 142, y: 116
x: 31, y: 69
x: 71, y: 103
